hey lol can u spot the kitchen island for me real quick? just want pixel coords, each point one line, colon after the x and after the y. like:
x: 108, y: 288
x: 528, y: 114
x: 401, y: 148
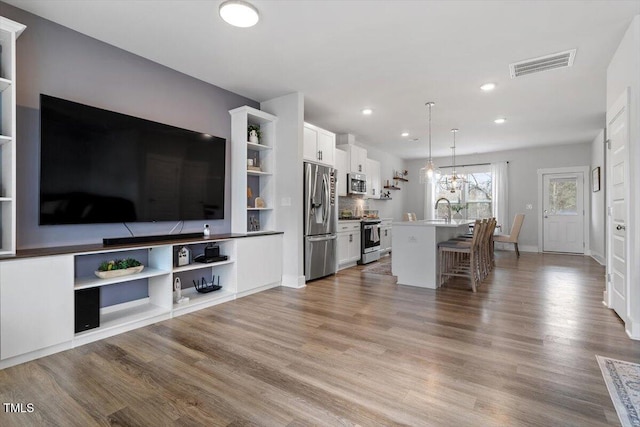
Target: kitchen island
x: 415, y: 249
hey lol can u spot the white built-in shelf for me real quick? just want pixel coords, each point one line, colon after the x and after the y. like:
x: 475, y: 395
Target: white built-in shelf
x: 259, y: 173
x: 110, y: 319
x: 6, y: 199
x: 93, y: 281
x: 259, y: 209
x: 196, y: 298
x: 4, y: 139
x: 4, y: 83
x: 199, y: 265
x: 258, y: 147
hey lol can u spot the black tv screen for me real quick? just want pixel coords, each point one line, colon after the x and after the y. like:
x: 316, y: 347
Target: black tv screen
x: 98, y: 166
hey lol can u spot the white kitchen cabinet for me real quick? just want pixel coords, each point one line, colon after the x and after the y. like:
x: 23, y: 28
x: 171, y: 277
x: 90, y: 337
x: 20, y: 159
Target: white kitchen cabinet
x: 356, y: 156
x: 259, y: 263
x: 385, y: 236
x: 318, y: 145
x: 36, y: 304
x: 341, y: 167
x: 373, y: 179
x: 348, y: 243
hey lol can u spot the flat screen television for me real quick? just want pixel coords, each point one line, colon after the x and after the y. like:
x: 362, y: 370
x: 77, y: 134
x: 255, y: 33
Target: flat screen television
x: 98, y: 166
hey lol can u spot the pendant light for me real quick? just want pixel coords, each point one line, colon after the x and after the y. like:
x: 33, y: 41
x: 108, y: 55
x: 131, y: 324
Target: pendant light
x: 429, y: 173
x: 456, y: 181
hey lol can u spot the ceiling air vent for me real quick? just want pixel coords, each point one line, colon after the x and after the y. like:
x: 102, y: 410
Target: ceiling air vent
x: 543, y: 63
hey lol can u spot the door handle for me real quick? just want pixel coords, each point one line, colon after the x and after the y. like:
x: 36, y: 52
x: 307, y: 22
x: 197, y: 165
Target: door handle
x: 322, y: 239
x: 621, y: 227
x: 546, y: 216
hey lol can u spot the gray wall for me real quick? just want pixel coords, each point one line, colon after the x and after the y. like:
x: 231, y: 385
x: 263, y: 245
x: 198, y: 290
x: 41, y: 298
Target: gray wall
x: 57, y: 61
x: 523, y: 180
x: 598, y: 202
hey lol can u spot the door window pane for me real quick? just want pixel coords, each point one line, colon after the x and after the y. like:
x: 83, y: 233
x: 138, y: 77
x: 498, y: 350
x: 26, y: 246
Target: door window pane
x: 563, y: 196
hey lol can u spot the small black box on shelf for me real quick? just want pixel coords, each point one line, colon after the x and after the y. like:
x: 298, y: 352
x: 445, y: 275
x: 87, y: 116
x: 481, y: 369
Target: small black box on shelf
x: 87, y: 309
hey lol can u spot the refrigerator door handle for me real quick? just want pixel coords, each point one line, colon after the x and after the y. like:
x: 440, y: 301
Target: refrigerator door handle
x: 325, y: 187
x: 322, y: 239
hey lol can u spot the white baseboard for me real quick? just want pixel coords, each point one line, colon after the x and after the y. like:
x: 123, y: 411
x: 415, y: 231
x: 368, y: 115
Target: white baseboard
x: 598, y: 258
x: 291, y: 281
x: 511, y: 247
x: 632, y: 329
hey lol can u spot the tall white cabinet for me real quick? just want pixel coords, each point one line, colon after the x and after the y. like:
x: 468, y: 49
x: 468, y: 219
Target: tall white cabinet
x: 319, y: 145
x: 253, y: 165
x: 9, y: 32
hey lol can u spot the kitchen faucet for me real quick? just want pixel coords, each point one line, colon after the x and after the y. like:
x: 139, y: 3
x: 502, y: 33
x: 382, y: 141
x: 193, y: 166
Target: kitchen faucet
x: 447, y: 218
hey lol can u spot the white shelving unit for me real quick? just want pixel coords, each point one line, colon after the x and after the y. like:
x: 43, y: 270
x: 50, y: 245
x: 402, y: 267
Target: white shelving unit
x: 9, y: 32
x: 150, y: 309
x: 247, y: 184
x: 225, y: 270
x: 38, y: 315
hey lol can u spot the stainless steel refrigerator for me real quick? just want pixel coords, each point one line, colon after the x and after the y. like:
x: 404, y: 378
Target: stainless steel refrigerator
x: 319, y: 221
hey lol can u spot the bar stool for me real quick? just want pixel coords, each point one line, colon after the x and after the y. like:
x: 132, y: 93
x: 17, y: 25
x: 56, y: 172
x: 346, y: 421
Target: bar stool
x: 462, y: 257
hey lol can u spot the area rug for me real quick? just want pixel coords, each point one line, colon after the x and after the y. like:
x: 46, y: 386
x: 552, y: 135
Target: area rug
x: 623, y: 382
x: 380, y: 267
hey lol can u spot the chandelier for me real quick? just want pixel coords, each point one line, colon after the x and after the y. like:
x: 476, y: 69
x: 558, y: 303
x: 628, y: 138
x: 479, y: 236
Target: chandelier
x: 429, y: 173
x: 454, y: 182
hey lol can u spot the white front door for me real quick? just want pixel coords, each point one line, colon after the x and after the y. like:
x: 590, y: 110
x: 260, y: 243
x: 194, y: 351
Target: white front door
x: 617, y: 189
x: 563, y: 212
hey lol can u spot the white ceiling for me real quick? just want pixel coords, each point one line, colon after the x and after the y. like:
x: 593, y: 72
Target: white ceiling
x: 390, y: 55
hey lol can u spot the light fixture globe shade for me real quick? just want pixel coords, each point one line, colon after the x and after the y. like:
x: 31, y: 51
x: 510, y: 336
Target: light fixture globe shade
x: 239, y: 13
x: 429, y: 173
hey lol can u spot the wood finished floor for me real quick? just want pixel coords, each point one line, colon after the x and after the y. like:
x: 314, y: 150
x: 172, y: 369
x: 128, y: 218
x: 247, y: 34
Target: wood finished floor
x: 352, y: 349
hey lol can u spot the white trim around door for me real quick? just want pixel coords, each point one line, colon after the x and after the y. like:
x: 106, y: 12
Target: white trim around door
x: 586, y: 191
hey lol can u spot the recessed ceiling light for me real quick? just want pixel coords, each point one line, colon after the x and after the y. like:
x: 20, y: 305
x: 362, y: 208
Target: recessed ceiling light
x: 488, y: 87
x: 405, y: 133
x: 367, y: 111
x: 500, y: 120
x: 239, y: 13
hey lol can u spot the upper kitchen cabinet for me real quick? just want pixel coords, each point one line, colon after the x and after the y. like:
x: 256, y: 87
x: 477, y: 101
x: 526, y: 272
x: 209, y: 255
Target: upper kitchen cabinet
x: 319, y: 145
x: 341, y: 174
x: 373, y: 179
x: 356, y: 156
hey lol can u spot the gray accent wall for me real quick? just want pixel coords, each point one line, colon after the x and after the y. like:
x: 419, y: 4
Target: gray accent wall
x: 523, y: 180
x: 57, y: 61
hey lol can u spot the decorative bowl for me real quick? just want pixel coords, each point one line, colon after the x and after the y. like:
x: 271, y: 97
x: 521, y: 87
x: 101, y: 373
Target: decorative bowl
x: 120, y: 272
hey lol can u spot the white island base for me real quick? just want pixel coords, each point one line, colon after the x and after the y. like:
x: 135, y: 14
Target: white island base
x: 415, y: 249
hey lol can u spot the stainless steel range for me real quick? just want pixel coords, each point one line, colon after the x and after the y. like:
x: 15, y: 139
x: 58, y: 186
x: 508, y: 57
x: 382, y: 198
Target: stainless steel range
x: 370, y: 244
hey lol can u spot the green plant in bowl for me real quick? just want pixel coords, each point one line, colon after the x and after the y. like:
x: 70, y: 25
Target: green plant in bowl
x: 119, y: 264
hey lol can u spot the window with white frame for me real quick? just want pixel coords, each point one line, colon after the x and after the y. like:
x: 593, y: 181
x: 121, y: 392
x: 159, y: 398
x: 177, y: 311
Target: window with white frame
x: 471, y: 200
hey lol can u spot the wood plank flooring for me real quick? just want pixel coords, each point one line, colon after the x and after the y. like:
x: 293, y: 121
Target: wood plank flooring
x: 352, y: 349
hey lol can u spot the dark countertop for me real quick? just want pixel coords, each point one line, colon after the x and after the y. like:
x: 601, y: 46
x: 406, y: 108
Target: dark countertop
x: 100, y: 247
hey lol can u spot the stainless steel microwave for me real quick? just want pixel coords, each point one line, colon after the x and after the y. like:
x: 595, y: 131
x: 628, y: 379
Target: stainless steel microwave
x: 356, y: 183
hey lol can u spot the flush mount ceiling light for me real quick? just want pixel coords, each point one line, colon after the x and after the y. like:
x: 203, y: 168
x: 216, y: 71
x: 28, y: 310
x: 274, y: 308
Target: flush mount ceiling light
x: 429, y: 173
x: 367, y: 111
x: 487, y: 87
x: 239, y: 13
x: 499, y: 120
x: 405, y: 133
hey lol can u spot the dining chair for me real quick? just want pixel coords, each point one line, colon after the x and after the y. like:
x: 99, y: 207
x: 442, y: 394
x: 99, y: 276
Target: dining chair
x: 513, y: 236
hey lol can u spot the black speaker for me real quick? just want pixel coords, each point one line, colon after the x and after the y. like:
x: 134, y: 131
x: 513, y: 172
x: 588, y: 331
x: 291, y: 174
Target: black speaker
x: 87, y: 309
